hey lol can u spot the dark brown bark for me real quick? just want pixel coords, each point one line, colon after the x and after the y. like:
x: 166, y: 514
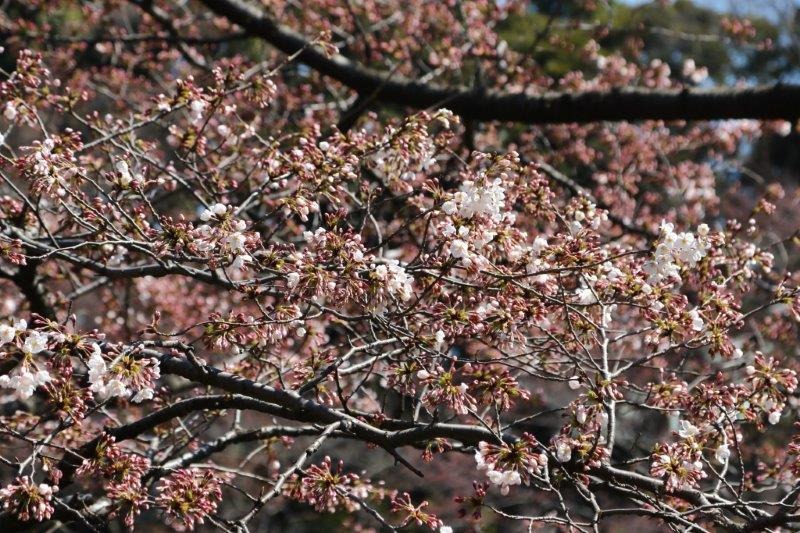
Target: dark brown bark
x: 777, y: 101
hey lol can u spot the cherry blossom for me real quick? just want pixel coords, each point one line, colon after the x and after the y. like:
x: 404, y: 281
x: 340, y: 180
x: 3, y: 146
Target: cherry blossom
x: 27, y: 501
x: 241, y: 278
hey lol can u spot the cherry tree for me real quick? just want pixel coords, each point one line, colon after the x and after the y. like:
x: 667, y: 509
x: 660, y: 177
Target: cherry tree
x: 365, y: 261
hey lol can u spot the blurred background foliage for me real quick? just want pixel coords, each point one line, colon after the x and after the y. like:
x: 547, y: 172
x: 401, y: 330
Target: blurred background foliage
x: 753, y: 42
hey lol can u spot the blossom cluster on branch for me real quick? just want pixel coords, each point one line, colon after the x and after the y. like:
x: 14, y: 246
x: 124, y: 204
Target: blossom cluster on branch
x: 218, y: 302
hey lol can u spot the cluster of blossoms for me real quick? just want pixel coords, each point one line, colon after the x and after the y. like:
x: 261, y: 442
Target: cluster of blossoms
x: 407, y: 279
x: 25, y: 382
x: 51, y: 164
x: 474, y: 200
x: 416, y: 514
x: 443, y: 390
x: 225, y: 235
x: 675, y: 251
x: 126, y: 374
x: 27, y: 377
x: 329, y: 489
x: 771, y: 385
x: 690, y: 432
x: 395, y: 281
x: 680, y: 464
x: 405, y: 153
x: 481, y: 385
x: 511, y: 464
x: 473, y: 215
x: 27, y: 501
x: 491, y: 385
x: 694, y: 73
x: 126, y: 178
x: 189, y: 495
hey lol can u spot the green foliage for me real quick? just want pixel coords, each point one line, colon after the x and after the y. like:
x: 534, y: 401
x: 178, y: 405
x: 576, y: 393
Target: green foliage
x: 672, y: 32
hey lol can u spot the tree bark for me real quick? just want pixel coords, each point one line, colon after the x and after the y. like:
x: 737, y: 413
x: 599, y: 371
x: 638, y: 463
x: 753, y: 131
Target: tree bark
x: 776, y: 101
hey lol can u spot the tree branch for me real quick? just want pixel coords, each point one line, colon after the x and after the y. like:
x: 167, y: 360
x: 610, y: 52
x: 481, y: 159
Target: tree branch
x: 776, y: 101
x: 248, y: 394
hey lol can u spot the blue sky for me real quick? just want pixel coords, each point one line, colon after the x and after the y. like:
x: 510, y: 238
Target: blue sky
x: 721, y: 5
x: 739, y: 6
x: 716, y: 4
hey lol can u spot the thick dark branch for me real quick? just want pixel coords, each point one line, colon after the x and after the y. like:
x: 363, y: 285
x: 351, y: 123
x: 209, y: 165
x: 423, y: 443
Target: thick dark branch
x: 391, y: 435
x: 185, y: 407
x: 31, y: 287
x: 306, y: 410
x: 234, y: 437
x: 181, y: 408
x: 248, y: 394
x: 763, y: 102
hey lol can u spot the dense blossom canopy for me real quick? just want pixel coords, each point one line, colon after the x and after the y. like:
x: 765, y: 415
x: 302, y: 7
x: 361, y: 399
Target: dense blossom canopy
x: 237, y: 289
